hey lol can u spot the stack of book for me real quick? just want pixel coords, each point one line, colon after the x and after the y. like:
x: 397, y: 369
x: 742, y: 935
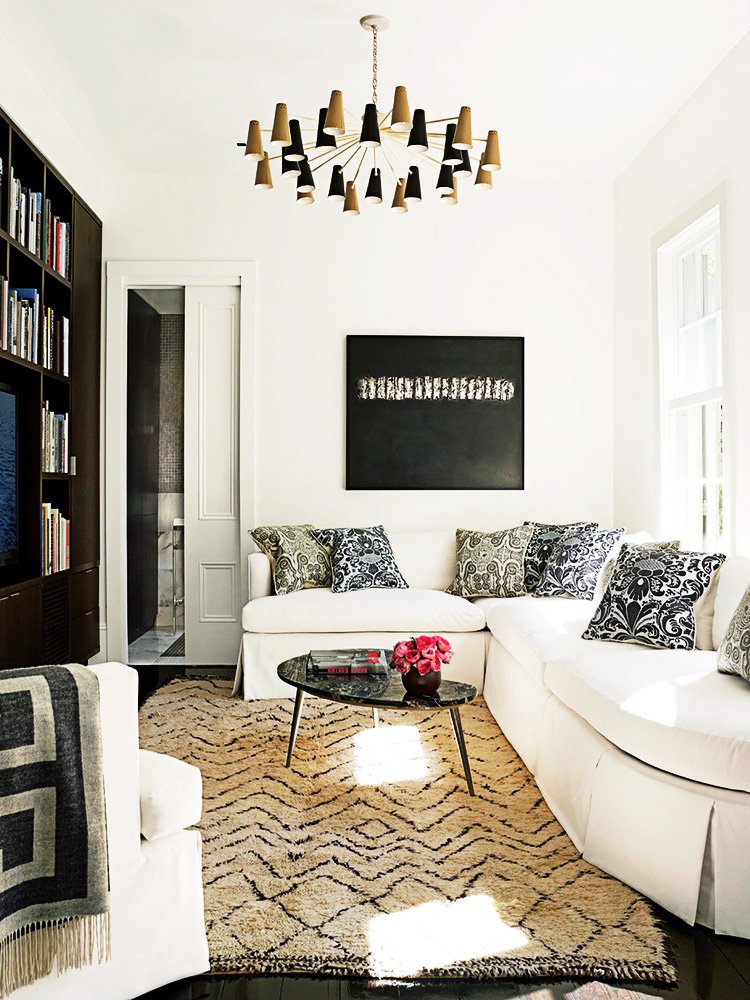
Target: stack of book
x: 56, y: 242
x: 330, y: 662
x: 54, y: 440
x: 19, y: 325
x: 25, y: 215
x: 55, y: 540
x: 55, y: 335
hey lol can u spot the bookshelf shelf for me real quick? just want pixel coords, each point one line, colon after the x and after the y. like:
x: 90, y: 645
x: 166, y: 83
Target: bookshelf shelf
x: 56, y: 321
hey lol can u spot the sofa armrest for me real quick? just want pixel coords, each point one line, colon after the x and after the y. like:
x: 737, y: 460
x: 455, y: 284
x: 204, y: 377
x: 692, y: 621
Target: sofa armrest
x: 259, y: 582
x: 171, y: 794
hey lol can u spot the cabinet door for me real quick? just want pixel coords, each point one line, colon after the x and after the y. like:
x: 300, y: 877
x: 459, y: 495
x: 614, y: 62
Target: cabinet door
x: 21, y: 628
x: 85, y: 353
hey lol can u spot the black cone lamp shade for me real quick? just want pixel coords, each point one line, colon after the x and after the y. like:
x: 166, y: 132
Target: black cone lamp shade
x: 289, y: 168
x: 445, y: 180
x: 418, y: 135
x: 374, y: 193
x: 370, y: 137
x: 305, y: 182
x: 464, y: 168
x: 451, y: 155
x: 336, y: 191
x: 323, y: 141
x: 413, y: 190
x: 296, y: 149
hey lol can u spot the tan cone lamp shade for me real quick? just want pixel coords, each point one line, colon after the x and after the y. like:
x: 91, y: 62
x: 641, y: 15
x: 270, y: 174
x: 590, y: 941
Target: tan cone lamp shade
x: 254, y: 147
x: 263, y: 179
x: 451, y: 199
x: 483, y: 180
x: 334, y: 123
x: 305, y: 197
x: 462, y: 138
x: 351, y: 203
x: 492, y: 152
x: 280, y: 134
x: 398, y: 204
x: 401, y: 116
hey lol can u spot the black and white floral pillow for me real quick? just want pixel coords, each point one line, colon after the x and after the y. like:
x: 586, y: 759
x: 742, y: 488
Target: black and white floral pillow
x: 651, y: 597
x: 360, y: 558
x: 575, y: 562
x: 543, y: 540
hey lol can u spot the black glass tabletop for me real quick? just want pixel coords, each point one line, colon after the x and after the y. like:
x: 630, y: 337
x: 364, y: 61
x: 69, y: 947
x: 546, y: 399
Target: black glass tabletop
x: 373, y: 691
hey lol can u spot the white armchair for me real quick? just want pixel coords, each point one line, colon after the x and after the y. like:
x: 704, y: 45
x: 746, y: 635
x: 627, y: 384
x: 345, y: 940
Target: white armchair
x: 157, y: 927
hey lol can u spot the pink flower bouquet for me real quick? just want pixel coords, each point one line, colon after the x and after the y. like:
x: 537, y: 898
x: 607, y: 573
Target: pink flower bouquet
x: 424, y: 653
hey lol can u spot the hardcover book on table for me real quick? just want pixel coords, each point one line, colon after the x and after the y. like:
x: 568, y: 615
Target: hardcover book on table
x: 348, y: 661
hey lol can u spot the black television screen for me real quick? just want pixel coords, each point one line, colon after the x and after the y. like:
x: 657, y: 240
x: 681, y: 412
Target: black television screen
x: 8, y: 475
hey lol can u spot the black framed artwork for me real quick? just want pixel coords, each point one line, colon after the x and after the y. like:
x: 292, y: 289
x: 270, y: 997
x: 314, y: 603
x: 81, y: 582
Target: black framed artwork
x: 434, y: 413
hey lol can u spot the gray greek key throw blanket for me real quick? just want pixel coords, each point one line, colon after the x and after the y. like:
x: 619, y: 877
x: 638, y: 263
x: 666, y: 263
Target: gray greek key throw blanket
x: 54, y: 886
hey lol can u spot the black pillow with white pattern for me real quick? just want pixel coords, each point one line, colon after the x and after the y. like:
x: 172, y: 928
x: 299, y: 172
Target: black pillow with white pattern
x: 360, y: 558
x: 575, y: 562
x: 543, y: 540
x: 651, y: 597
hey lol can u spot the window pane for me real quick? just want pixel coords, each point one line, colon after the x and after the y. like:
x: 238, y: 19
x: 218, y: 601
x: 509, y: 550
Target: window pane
x: 710, y: 275
x: 691, y: 299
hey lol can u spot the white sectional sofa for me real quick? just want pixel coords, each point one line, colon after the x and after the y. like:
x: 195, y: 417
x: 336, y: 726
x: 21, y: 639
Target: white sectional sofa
x: 642, y: 754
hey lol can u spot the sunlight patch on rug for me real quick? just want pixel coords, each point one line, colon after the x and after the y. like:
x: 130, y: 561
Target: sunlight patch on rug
x: 389, y: 753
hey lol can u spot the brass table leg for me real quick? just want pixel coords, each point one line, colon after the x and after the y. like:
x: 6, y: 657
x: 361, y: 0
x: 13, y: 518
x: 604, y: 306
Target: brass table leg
x: 295, y: 724
x: 461, y: 743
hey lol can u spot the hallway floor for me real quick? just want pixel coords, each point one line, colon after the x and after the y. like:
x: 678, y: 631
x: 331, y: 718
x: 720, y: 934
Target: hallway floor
x: 151, y: 646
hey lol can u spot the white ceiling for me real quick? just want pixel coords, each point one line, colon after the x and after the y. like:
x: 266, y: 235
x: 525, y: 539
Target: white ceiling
x: 575, y: 88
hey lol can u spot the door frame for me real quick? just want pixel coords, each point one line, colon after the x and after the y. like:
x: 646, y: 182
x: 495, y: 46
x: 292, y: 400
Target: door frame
x: 121, y: 277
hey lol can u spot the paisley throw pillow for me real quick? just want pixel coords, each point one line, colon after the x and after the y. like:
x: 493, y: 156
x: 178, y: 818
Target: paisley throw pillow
x: 360, y: 558
x: 651, y: 597
x: 734, y: 651
x: 543, y: 541
x: 298, y: 561
x: 575, y: 562
x: 491, y: 564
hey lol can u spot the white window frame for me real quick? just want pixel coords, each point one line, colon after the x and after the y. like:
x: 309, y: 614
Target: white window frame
x: 669, y: 304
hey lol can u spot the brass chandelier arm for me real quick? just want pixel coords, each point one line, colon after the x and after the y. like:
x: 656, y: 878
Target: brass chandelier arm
x: 356, y: 172
x: 335, y: 155
x: 388, y: 161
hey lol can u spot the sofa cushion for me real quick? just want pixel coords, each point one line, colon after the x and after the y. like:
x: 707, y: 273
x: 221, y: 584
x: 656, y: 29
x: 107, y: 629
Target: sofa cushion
x: 734, y: 579
x: 491, y: 563
x: 361, y: 558
x: 171, y: 794
x: 372, y: 610
x: 652, y: 595
x: 427, y: 559
x: 536, y: 631
x: 669, y: 708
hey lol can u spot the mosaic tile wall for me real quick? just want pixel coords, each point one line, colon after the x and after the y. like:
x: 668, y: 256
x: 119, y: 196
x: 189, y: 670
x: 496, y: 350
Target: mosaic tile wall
x: 171, y: 403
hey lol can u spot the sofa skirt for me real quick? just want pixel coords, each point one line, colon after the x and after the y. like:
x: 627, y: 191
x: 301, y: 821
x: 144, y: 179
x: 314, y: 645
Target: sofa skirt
x: 261, y: 653
x: 681, y: 843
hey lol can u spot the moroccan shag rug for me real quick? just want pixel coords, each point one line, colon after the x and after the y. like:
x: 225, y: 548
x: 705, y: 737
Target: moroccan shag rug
x: 369, y: 858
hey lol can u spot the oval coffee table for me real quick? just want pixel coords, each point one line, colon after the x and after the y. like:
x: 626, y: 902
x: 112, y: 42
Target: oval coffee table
x: 376, y: 691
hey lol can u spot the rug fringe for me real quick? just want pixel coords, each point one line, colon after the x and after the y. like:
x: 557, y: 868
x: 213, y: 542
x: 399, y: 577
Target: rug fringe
x: 34, y: 950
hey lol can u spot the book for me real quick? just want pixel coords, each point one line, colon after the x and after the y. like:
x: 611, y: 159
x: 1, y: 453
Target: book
x: 55, y: 540
x: 327, y: 662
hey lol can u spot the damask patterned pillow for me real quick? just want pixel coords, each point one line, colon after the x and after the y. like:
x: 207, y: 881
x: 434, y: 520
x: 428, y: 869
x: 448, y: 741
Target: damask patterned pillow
x: 609, y: 567
x: 543, y: 541
x: 491, y: 564
x: 298, y: 561
x: 734, y: 651
x: 575, y: 562
x: 360, y: 558
x: 651, y: 597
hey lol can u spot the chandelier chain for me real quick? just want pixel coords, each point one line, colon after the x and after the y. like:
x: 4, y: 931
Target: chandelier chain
x: 375, y: 65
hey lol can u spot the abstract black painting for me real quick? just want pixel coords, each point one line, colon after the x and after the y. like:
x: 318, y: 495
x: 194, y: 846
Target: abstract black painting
x: 434, y: 413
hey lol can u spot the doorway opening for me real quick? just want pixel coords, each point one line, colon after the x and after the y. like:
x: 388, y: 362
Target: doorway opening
x: 155, y: 476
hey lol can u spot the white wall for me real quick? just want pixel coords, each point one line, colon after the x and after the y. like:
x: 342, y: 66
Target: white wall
x: 533, y: 259
x: 703, y: 152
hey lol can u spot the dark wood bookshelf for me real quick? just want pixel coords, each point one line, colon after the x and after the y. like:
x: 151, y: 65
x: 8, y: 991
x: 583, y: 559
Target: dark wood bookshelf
x: 53, y: 618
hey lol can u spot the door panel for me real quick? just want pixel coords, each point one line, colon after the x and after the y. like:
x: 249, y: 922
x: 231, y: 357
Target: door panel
x: 212, y: 544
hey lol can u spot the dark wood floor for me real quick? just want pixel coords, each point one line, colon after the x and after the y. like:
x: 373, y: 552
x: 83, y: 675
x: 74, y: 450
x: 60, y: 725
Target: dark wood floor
x: 710, y: 967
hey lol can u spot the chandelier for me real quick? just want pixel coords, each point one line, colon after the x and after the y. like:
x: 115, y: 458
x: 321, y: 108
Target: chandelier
x: 398, y: 138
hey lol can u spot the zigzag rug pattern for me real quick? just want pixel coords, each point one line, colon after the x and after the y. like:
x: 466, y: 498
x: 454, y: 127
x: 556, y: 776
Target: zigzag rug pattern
x: 368, y: 857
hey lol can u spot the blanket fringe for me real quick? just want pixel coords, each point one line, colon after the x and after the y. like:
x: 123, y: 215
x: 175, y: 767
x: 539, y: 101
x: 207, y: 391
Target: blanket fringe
x: 35, y: 950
